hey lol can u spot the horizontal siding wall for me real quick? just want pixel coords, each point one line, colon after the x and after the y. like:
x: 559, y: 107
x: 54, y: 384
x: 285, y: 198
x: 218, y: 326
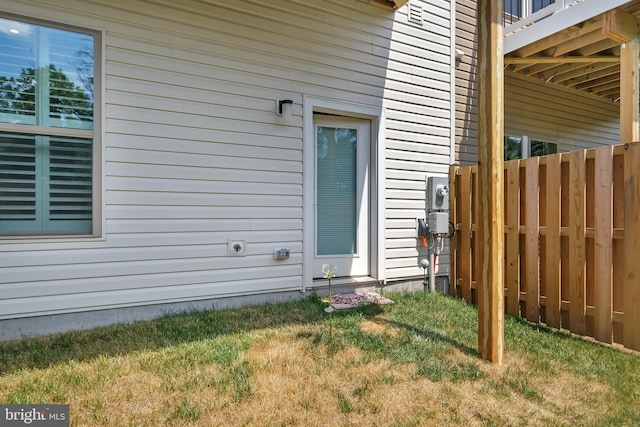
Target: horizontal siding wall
x: 572, y: 119
x: 466, y: 126
x: 194, y: 154
x: 418, y: 135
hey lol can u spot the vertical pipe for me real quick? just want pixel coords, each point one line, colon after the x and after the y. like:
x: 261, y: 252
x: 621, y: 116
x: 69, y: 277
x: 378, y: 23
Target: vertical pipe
x: 432, y: 271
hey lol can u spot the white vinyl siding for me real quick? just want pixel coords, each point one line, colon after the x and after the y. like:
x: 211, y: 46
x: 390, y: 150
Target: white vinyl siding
x: 418, y: 136
x: 195, y: 154
x: 546, y: 112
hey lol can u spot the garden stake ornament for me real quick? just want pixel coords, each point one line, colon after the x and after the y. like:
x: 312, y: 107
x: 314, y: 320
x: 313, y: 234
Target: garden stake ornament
x: 329, y: 271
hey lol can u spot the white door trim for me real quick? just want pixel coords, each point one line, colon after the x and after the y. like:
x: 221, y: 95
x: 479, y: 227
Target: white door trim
x: 376, y: 116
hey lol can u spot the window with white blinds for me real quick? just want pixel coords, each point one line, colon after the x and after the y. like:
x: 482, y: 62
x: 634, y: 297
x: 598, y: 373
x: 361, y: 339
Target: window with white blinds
x: 47, y: 135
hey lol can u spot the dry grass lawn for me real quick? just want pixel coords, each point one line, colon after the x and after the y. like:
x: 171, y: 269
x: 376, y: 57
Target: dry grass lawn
x: 409, y: 364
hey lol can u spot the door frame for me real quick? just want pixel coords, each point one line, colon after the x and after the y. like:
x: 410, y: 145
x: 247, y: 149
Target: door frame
x: 374, y: 114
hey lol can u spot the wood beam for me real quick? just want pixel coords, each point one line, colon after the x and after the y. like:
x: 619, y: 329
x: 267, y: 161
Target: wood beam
x: 577, y: 43
x: 539, y: 69
x: 606, y: 80
x: 620, y: 26
x: 554, y: 40
x: 629, y: 90
x: 597, y: 48
x: 582, y: 74
x: 562, y: 60
x: 490, y: 177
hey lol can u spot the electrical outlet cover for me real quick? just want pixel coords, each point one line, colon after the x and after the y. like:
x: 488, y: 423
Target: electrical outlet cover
x: 236, y: 248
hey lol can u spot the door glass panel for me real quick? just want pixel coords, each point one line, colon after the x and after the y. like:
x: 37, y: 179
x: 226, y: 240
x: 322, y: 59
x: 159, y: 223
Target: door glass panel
x: 336, y: 191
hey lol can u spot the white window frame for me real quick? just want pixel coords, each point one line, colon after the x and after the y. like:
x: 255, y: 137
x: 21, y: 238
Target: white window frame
x: 96, y: 135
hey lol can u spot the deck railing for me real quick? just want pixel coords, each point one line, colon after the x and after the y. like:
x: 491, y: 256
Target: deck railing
x: 572, y: 240
x: 514, y: 23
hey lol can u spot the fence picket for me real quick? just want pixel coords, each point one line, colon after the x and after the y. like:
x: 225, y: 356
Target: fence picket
x: 532, y: 243
x: 453, y: 242
x: 465, y: 234
x: 631, y: 247
x: 577, y: 252
x: 552, y: 237
x: 512, y: 238
x: 603, y: 218
x: 618, y: 244
x: 476, y: 248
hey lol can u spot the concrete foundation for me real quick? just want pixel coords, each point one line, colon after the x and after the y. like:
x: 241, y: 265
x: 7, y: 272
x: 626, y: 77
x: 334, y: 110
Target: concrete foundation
x: 28, y: 327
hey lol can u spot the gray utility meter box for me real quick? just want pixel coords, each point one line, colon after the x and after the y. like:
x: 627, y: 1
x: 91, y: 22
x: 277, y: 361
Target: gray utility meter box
x: 437, y: 193
x: 439, y: 223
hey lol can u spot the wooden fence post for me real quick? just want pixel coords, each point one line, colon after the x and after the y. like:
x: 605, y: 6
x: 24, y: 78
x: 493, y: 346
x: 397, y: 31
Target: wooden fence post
x: 490, y: 172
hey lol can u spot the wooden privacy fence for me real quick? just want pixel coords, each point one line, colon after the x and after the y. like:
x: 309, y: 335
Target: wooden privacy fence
x: 572, y: 240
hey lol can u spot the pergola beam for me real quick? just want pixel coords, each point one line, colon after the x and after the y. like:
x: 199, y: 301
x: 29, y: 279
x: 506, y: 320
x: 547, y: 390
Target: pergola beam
x: 562, y: 60
x: 490, y: 172
x: 620, y: 26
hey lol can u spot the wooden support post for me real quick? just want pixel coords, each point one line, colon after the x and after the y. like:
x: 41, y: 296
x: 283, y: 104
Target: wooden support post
x: 490, y: 177
x: 629, y: 85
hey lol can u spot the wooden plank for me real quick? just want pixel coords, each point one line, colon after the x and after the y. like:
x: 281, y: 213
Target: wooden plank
x: 490, y: 173
x: 512, y: 240
x: 552, y: 254
x: 629, y: 87
x: 577, y: 273
x: 631, y: 325
x: 603, y: 218
x: 465, y: 233
x: 454, y: 241
x: 532, y: 246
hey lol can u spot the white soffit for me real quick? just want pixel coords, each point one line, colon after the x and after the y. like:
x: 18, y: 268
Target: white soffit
x: 558, y: 22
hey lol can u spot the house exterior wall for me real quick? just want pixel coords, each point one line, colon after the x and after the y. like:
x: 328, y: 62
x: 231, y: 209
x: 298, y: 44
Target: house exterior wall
x: 194, y: 155
x: 572, y: 119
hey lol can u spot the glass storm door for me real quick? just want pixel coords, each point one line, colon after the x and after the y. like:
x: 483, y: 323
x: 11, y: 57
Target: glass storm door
x: 342, y: 154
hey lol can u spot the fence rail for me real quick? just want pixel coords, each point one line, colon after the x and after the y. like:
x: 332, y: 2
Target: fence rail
x: 572, y: 240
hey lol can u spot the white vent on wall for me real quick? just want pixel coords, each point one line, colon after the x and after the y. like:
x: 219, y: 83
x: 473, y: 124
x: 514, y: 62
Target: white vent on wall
x: 415, y: 13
